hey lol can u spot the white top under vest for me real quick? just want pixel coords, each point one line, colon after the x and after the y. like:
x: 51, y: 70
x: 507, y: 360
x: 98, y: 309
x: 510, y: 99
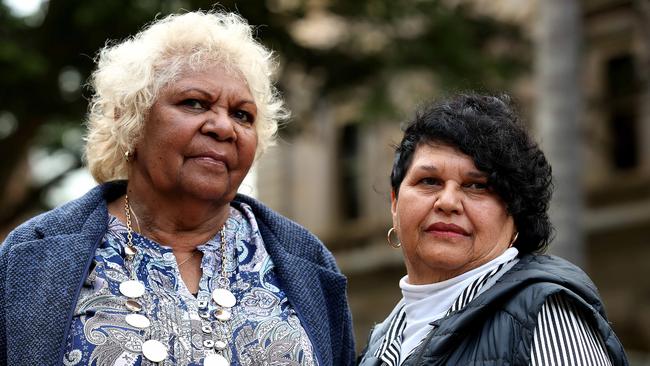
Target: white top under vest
x: 424, y: 304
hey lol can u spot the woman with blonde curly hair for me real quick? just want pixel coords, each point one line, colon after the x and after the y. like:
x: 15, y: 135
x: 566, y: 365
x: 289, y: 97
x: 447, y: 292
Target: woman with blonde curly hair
x: 164, y: 262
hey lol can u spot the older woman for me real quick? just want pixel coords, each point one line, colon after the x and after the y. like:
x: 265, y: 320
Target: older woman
x: 164, y: 262
x: 470, y: 193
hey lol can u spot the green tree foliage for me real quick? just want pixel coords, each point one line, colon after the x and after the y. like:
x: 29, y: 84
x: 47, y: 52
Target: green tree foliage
x: 46, y: 59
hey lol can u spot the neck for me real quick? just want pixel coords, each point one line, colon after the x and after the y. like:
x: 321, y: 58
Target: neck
x: 181, y: 223
x: 440, y: 277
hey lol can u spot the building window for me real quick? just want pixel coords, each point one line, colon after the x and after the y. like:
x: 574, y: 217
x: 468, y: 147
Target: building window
x: 621, y: 97
x: 348, y: 151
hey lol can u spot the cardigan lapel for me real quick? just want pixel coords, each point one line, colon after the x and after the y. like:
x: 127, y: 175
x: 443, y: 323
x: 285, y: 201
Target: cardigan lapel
x: 311, y: 290
x: 43, y: 281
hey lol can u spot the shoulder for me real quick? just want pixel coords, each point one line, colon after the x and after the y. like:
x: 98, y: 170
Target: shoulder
x: 275, y: 221
x: 523, y: 289
x: 535, y: 283
x: 561, y: 322
x: 554, y: 274
x: 550, y: 265
x: 70, y: 218
x: 292, y: 237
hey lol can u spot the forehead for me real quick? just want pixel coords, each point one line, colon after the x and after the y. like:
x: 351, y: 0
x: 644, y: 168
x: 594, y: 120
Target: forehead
x: 440, y: 155
x: 212, y: 79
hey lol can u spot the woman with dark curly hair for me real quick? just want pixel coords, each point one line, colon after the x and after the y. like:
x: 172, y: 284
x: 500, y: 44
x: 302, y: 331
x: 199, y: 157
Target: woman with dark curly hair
x: 469, y: 200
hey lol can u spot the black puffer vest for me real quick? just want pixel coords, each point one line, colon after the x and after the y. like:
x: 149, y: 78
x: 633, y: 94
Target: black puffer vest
x: 497, y: 327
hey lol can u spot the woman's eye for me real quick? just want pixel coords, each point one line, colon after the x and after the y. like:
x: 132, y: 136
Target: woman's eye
x: 429, y: 181
x: 477, y: 186
x: 243, y: 116
x: 192, y: 103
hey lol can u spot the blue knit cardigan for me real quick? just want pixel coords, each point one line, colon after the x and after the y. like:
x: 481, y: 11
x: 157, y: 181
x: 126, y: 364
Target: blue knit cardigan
x: 44, y: 262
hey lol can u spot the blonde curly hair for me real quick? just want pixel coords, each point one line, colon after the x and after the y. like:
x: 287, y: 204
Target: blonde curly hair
x: 130, y: 74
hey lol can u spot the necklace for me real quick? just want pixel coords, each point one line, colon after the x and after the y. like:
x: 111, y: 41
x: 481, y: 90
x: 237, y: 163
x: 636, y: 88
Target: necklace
x: 215, y: 340
x: 130, y: 212
x: 187, y: 259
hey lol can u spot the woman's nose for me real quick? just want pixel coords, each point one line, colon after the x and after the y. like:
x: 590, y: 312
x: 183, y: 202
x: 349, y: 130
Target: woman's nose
x: 219, y: 125
x: 449, y: 200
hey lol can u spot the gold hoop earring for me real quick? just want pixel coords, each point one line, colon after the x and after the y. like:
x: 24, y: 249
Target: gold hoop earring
x: 514, y: 239
x: 390, y: 231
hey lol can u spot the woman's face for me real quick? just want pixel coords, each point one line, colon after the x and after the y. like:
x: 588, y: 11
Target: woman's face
x: 199, y: 137
x: 446, y: 217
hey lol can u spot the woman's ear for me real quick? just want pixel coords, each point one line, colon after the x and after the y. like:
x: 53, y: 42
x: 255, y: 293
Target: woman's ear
x: 393, y: 208
x: 515, y: 232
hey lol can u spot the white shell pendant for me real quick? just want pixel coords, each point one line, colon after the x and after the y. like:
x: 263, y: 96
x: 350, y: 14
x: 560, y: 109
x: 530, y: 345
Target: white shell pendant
x: 138, y: 321
x: 154, y: 350
x: 215, y: 360
x: 224, y: 297
x: 132, y: 289
x: 220, y: 345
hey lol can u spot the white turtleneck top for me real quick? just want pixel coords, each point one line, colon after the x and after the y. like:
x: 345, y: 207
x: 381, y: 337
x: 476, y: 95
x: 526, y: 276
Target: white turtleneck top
x: 424, y: 304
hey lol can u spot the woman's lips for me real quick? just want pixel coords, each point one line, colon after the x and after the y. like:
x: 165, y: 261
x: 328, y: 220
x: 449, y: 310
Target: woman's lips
x: 211, y: 158
x: 211, y: 161
x: 446, y: 230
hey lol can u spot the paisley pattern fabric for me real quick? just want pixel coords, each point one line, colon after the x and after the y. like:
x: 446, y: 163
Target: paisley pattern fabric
x: 264, y: 328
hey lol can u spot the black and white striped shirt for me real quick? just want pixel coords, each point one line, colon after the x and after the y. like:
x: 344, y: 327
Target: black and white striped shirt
x: 562, y: 335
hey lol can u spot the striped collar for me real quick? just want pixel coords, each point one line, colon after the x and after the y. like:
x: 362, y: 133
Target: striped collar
x: 390, y: 348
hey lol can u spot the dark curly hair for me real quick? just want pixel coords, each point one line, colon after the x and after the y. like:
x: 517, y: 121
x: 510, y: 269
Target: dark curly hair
x: 487, y: 129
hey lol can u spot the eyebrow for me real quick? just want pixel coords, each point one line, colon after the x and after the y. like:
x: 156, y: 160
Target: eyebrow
x: 476, y: 174
x: 209, y: 95
x: 200, y: 91
x: 246, y: 101
x: 431, y: 168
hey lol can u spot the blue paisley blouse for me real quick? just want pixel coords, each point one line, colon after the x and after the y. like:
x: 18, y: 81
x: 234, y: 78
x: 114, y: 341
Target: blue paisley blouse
x: 264, y: 328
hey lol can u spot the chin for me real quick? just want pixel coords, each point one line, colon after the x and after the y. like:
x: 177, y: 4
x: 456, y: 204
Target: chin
x: 210, y: 191
x: 445, y: 261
